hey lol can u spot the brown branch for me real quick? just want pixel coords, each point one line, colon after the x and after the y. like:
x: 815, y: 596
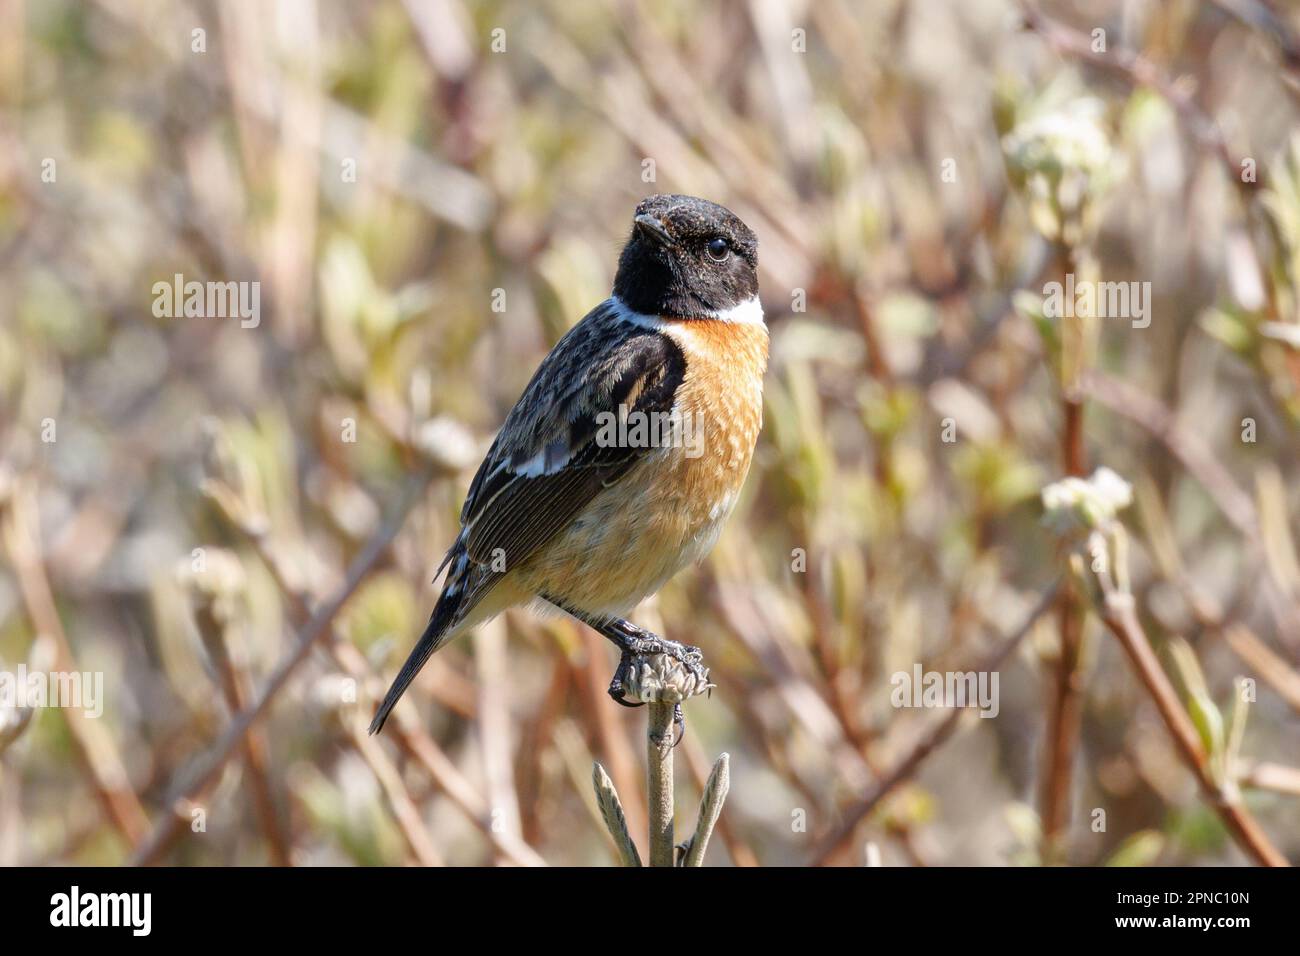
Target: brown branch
x: 94, y: 745
x: 1120, y: 618
x: 234, y: 681
x: 1063, y: 724
x: 1066, y: 706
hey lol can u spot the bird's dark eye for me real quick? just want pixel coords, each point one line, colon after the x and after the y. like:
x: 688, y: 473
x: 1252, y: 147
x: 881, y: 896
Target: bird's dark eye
x: 718, y: 248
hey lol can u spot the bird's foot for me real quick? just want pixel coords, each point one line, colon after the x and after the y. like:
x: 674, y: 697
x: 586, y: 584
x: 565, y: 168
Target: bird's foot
x: 618, y: 687
x: 650, y: 668
x: 688, y: 655
x: 659, y: 670
x: 642, y: 643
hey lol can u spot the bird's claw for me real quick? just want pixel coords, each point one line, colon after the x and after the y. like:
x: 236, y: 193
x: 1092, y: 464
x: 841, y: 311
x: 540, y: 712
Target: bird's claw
x: 618, y: 686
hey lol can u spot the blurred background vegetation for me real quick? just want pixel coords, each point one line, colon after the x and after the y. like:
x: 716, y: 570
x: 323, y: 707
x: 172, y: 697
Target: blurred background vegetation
x: 429, y: 193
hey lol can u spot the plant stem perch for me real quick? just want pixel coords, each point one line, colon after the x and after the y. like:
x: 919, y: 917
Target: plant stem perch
x: 659, y: 758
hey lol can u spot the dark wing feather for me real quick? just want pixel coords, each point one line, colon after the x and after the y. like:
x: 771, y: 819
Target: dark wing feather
x: 547, y: 465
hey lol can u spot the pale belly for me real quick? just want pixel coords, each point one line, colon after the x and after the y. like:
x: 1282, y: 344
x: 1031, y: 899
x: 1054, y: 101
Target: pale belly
x: 630, y: 540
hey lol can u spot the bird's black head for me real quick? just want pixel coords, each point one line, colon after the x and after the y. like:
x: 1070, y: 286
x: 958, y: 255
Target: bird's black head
x: 687, y: 257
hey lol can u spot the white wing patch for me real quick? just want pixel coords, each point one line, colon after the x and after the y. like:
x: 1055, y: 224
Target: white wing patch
x: 546, y: 462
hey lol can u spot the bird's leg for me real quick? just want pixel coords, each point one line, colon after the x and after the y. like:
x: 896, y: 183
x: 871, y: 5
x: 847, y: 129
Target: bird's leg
x: 638, y: 641
x: 634, y: 642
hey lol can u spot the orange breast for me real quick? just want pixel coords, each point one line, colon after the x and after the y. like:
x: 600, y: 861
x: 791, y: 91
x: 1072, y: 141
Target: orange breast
x: 723, y: 392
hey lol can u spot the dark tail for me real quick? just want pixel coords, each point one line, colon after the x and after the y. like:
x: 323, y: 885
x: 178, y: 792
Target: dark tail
x: 440, y: 622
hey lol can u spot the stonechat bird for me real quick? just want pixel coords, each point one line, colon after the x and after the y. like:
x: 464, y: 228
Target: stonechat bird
x: 628, y: 448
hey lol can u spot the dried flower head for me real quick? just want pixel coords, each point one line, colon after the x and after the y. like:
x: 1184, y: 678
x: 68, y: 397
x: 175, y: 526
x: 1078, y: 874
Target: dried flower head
x: 663, y: 678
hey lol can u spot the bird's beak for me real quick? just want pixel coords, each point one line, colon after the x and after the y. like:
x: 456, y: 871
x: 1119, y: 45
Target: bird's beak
x: 653, y: 228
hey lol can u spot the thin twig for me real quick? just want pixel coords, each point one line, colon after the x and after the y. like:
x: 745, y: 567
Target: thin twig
x: 210, y: 768
x: 233, y: 679
x: 413, y: 739
x: 1153, y: 416
x: 1207, y: 610
x: 1271, y: 776
x: 1270, y: 665
x: 495, y: 724
x: 94, y: 744
x: 1065, y: 710
x: 416, y: 742
x: 929, y: 741
x: 1119, y: 616
x: 399, y: 798
x: 1139, y: 71
x: 1192, y: 453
